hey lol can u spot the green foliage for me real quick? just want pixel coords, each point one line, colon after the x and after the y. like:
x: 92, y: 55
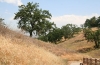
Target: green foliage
x: 97, y: 38
x: 46, y: 28
x: 69, y: 30
x: 32, y: 19
x: 56, y: 34
x: 43, y: 38
x: 88, y: 34
x: 53, y: 36
x: 92, y: 36
x: 92, y: 22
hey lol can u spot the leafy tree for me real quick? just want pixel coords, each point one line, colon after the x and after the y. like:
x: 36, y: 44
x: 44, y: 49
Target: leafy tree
x: 77, y: 29
x: 69, y: 30
x: 88, y: 34
x: 92, y: 36
x: 55, y: 36
x: 32, y: 19
x: 97, y: 38
x: 87, y: 23
x: 98, y: 21
x: 92, y: 22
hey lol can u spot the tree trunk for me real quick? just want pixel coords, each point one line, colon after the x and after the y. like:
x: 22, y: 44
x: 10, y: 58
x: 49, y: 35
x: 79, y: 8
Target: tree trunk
x: 96, y: 44
x: 31, y: 34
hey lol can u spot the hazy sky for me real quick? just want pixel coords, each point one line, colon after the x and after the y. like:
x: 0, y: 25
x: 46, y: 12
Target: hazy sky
x: 63, y: 11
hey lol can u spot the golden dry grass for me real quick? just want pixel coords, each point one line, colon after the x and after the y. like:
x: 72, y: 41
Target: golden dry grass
x: 94, y: 53
x: 75, y: 44
x: 79, y: 44
x: 75, y: 56
x: 16, y: 49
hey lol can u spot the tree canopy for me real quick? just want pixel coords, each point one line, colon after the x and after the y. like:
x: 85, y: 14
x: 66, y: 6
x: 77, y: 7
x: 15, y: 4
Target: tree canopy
x: 92, y: 22
x: 89, y: 34
x: 56, y: 35
x: 32, y: 19
x: 69, y: 30
x: 92, y: 36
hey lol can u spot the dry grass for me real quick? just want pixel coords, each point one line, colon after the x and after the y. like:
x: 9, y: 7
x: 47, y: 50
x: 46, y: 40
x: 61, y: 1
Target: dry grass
x: 77, y: 43
x: 75, y: 56
x: 16, y: 49
x: 94, y: 53
x: 15, y: 54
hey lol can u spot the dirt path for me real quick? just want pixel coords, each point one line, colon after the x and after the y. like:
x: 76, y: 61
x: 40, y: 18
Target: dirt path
x: 74, y: 62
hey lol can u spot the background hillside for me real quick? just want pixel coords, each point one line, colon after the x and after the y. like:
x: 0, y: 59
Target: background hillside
x: 81, y: 45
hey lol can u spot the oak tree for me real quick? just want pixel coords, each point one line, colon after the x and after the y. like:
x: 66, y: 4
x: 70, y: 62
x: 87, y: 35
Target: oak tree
x: 32, y: 19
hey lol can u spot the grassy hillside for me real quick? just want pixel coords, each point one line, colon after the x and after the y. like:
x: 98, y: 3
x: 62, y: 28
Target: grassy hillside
x: 17, y: 49
x: 80, y: 45
x: 76, y: 43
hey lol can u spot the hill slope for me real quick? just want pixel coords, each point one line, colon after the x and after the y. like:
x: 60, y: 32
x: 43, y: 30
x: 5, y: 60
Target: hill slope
x: 76, y: 43
x: 80, y: 45
x: 17, y: 49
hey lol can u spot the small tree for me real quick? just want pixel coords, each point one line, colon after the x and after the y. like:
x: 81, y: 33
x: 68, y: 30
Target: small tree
x: 66, y: 31
x: 93, y: 36
x: 69, y: 30
x: 55, y: 36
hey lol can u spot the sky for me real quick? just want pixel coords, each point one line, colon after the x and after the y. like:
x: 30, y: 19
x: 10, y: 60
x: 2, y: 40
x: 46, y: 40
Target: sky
x: 63, y: 11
